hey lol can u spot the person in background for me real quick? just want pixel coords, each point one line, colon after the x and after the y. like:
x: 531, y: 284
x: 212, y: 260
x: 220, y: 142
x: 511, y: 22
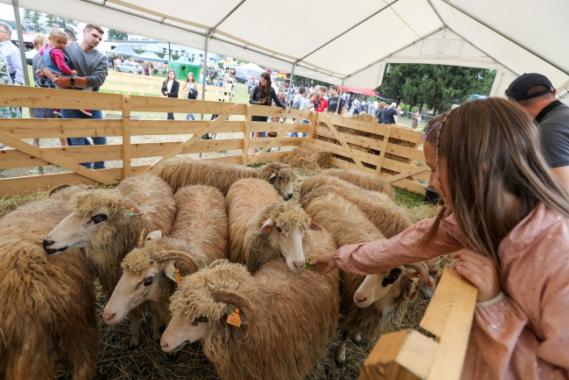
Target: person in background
x: 91, y: 66
x: 170, y: 89
x: 190, y: 91
x: 11, y: 55
x: 505, y: 220
x: 70, y: 33
x: 5, y: 79
x: 264, y: 95
x: 536, y: 95
x: 298, y: 98
x: 379, y: 112
x: 390, y: 115
x: 37, y: 65
x: 323, y: 101
x: 416, y: 120
x: 335, y: 103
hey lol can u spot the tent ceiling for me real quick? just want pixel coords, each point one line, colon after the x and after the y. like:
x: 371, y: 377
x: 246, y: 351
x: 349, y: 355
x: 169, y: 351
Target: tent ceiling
x: 337, y: 41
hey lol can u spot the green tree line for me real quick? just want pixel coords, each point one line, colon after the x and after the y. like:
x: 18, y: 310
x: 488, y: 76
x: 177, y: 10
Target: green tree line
x: 436, y: 87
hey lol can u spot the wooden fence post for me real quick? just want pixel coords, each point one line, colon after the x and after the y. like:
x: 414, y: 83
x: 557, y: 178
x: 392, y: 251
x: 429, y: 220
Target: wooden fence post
x: 246, y: 136
x: 126, y: 137
x: 314, y: 121
x: 383, y: 151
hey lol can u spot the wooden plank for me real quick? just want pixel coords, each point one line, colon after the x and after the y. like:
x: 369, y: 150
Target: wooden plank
x: 12, y: 159
x: 179, y: 127
x: 156, y: 104
x: 21, y: 96
x: 375, y: 144
x: 60, y: 128
x: 313, y: 123
x: 260, y: 126
x: 257, y: 110
x: 273, y: 141
x: 404, y: 175
x: 449, y: 316
x: 55, y: 159
x: 404, y: 354
x: 383, y: 150
x: 246, y: 136
x: 344, y: 143
x: 126, y: 141
x: 211, y: 127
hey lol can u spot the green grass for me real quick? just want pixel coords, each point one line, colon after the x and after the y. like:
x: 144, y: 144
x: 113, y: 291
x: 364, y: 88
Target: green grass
x: 408, y: 199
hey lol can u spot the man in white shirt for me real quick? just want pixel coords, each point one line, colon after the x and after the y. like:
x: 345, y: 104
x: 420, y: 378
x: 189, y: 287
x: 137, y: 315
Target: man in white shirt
x: 12, y: 54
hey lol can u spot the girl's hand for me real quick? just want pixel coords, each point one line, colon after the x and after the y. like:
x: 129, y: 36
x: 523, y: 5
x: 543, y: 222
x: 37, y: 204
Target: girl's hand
x: 480, y: 271
x: 326, y: 263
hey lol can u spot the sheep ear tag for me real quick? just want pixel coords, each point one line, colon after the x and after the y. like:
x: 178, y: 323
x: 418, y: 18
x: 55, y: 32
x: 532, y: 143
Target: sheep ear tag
x: 233, y: 317
x: 132, y: 211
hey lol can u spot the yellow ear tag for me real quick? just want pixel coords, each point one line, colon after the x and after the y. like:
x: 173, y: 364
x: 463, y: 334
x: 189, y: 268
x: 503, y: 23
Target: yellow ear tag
x: 234, y: 319
x: 177, y: 276
x: 132, y: 211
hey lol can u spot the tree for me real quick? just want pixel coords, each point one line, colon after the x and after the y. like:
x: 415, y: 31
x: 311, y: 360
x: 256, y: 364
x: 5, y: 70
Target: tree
x: 32, y: 21
x: 117, y: 35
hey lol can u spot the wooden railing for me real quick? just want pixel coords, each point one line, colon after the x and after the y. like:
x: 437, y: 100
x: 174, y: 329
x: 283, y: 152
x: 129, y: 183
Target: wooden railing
x: 388, y: 151
x: 410, y: 355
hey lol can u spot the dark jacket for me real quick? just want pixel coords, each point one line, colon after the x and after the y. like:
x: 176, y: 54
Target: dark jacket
x: 174, y: 90
x: 256, y: 98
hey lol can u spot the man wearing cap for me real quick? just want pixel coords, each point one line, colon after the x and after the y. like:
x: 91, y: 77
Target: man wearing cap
x: 536, y: 95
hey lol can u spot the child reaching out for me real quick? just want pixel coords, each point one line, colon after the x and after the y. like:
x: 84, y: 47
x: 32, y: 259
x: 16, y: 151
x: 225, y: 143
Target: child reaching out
x: 55, y: 61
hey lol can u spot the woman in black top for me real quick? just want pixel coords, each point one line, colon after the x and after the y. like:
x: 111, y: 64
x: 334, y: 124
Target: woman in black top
x: 170, y: 88
x: 264, y: 94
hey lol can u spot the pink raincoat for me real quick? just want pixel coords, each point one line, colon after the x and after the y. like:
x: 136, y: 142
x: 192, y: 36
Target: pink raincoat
x: 524, y: 336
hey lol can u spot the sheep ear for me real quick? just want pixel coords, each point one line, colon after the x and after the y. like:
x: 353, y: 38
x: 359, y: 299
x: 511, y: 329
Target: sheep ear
x: 177, y: 264
x: 312, y: 225
x: 170, y: 270
x: 234, y: 300
x: 272, y: 177
x: 266, y: 228
x: 154, y: 235
x: 141, y: 238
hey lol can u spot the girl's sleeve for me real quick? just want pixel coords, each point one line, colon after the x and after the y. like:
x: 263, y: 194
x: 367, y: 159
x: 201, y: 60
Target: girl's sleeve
x: 404, y: 248
x: 510, y: 344
x: 59, y: 60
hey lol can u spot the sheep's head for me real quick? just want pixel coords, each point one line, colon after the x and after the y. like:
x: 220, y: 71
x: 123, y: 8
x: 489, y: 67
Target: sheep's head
x: 280, y: 176
x: 93, y: 210
x: 283, y: 227
x: 400, y: 281
x: 147, y: 270
x: 206, y: 301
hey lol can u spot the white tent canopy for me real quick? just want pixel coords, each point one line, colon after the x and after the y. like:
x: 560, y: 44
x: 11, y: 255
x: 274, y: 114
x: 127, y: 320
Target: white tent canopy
x: 341, y: 41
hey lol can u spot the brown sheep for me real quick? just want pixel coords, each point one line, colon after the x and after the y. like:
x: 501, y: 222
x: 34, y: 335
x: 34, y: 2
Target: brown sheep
x: 107, y: 223
x: 362, y: 179
x: 48, y: 303
x: 262, y: 226
x: 367, y: 302
x: 182, y: 171
x: 378, y: 207
x: 149, y: 272
x: 286, y: 320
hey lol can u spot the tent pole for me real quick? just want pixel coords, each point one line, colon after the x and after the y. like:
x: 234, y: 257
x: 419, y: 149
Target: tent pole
x: 340, y: 97
x: 290, y: 82
x: 21, y: 45
x: 204, y: 69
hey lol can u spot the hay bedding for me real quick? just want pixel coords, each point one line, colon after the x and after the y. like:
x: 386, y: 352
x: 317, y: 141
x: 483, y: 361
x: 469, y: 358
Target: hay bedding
x: 149, y: 362
x: 307, y: 156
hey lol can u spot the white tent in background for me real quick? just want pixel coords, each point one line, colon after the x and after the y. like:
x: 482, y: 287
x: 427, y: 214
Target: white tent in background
x: 149, y: 56
x: 347, y: 41
x: 246, y: 71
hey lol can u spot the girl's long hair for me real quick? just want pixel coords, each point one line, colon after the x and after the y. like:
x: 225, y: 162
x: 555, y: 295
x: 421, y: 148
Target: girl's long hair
x: 496, y: 172
x: 266, y: 90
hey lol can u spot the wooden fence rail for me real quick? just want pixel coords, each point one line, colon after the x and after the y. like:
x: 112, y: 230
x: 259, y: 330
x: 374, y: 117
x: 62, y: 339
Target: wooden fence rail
x: 133, y: 137
x: 410, y: 355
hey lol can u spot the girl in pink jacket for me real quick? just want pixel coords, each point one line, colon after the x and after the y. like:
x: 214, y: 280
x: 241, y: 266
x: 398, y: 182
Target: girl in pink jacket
x: 506, y: 221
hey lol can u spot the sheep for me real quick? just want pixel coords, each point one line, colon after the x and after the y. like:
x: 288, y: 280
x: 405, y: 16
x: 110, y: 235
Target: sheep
x: 107, y: 223
x: 262, y: 226
x: 362, y: 179
x: 181, y: 171
x: 367, y: 303
x: 48, y: 303
x: 150, y: 271
x: 286, y: 320
x: 378, y: 207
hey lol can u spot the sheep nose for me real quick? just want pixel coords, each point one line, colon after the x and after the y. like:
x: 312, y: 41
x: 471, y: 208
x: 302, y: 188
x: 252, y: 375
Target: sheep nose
x: 360, y: 299
x: 108, y: 316
x: 46, y: 243
x: 289, y: 196
x: 298, y: 264
x: 164, y: 345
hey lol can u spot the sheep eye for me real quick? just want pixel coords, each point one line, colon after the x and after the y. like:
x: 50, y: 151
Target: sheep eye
x: 391, y: 277
x: 98, y: 218
x: 199, y: 320
x: 148, y: 281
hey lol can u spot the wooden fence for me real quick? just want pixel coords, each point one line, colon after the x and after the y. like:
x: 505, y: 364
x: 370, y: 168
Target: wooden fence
x: 410, y: 355
x: 393, y: 152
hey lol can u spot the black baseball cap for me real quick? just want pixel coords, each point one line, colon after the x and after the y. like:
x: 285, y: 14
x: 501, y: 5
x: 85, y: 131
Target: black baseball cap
x: 518, y: 89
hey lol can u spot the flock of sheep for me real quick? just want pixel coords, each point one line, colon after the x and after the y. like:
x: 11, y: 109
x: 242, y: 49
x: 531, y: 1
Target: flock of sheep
x: 213, y: 253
